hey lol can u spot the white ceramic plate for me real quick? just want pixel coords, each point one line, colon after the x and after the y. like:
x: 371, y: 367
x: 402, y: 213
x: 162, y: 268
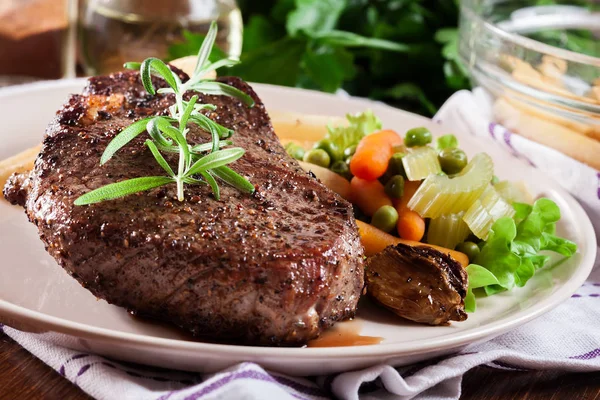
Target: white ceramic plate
x: 37, y: 296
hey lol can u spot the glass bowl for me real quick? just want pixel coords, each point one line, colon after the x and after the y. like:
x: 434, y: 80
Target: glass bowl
x: 532, y: 58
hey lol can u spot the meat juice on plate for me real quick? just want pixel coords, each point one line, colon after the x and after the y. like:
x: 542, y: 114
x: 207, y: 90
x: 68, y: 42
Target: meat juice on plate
x: 114, y: 32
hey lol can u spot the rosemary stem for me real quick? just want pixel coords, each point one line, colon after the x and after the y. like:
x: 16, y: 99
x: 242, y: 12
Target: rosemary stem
x: 179, y: 189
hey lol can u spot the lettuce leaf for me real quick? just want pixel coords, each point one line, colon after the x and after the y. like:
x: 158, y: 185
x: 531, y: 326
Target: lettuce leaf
x: 359, y: 125
x: 512, y: 252
x: 446, y: 142
x: 479, y: 277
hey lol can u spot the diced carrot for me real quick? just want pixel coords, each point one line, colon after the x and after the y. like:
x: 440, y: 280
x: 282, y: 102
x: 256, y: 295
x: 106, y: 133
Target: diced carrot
x: 373, y: 154
x: 411, y: 226
x: 375, y: 240
x: 391, y: 136
x: 369, y: 196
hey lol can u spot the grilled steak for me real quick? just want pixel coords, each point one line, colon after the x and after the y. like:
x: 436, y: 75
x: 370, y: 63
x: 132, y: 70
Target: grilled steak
x: 273, y: 268
x: 418, y: 283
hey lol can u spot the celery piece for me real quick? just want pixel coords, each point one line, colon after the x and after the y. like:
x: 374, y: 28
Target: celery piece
x: 421, y: 163
x: 447, y: 230
x: 440, y: 194
x: 489, y: 208
x: 513, y: 192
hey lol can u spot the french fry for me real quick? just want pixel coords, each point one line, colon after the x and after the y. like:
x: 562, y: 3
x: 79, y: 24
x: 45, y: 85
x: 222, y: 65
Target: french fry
x: 21, y: 162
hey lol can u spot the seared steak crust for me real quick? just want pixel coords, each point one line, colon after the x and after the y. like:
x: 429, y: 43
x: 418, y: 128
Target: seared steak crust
x: 273, y: 268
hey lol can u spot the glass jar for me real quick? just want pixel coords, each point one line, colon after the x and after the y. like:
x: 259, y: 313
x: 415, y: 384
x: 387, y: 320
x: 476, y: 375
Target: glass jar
x: 533, y: 60
x: 112, y: 32
x: 36, y: 41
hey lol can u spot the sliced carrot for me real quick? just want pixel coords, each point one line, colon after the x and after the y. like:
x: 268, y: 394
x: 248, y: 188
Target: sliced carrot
x: 375, y: 240
x: 369, y: 196
x: 373, y: 154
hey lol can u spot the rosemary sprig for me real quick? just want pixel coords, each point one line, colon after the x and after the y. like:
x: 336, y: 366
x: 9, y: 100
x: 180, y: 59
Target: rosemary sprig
x: 198, y: 163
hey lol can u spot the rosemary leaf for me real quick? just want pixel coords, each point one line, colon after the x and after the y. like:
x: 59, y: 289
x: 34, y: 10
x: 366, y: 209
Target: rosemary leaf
x: 151, y: 65
x: 218, y: 88
x: 216, y: 159
x: 159, y: 158
x: 132, y: 65
x: 208, y: 146
x: 156, y: 135
x: 188, y: 111
x: 226, y: 62
x: 122, y: 189
x: 213, y: 184
x: 206, y: 47
x: 124, y: 137
x: 207, y: 124
x: 234, y: 179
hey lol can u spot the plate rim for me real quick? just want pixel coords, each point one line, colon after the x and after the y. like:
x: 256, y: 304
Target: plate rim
x: 453, y: 340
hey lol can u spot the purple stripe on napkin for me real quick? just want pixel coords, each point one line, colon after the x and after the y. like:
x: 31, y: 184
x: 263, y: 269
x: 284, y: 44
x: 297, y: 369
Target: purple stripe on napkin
x: 62, y: 368
x: 587, y: 356
x: 492, y: 130
x: 576, y: 296
x: 252, y: 375
x: 506, y: 137
x: 83, y: 369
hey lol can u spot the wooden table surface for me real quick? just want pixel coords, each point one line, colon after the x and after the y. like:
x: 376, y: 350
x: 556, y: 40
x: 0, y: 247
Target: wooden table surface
x: 23, y: 376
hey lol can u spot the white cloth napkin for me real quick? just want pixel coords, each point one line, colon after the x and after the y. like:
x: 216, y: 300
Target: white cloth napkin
x: 567, y: 338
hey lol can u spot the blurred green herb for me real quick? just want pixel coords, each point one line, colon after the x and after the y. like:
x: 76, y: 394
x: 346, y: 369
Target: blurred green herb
x: 385, y: 50
x: 403, y: 52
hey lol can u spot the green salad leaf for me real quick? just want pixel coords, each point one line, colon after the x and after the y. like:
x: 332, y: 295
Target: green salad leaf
x: 515, y: 248
x: 447, y: 142
x: 359, y: 125
x: 479, y: 277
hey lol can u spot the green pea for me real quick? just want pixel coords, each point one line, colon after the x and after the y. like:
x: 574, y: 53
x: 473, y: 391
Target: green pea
x: 452, y: 160
x: 294, y: 150
x: 349, y: 151
x: 417, y: 137
x: 385, y: 218
x: 341, y: 168
x: 470, y: 249
x: 318, y: 157
x: 395, y: 187
x: 331, y: 148
x: 495, y: 180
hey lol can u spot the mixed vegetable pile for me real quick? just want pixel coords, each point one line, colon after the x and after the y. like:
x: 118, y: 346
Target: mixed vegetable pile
x: 432, y: 193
